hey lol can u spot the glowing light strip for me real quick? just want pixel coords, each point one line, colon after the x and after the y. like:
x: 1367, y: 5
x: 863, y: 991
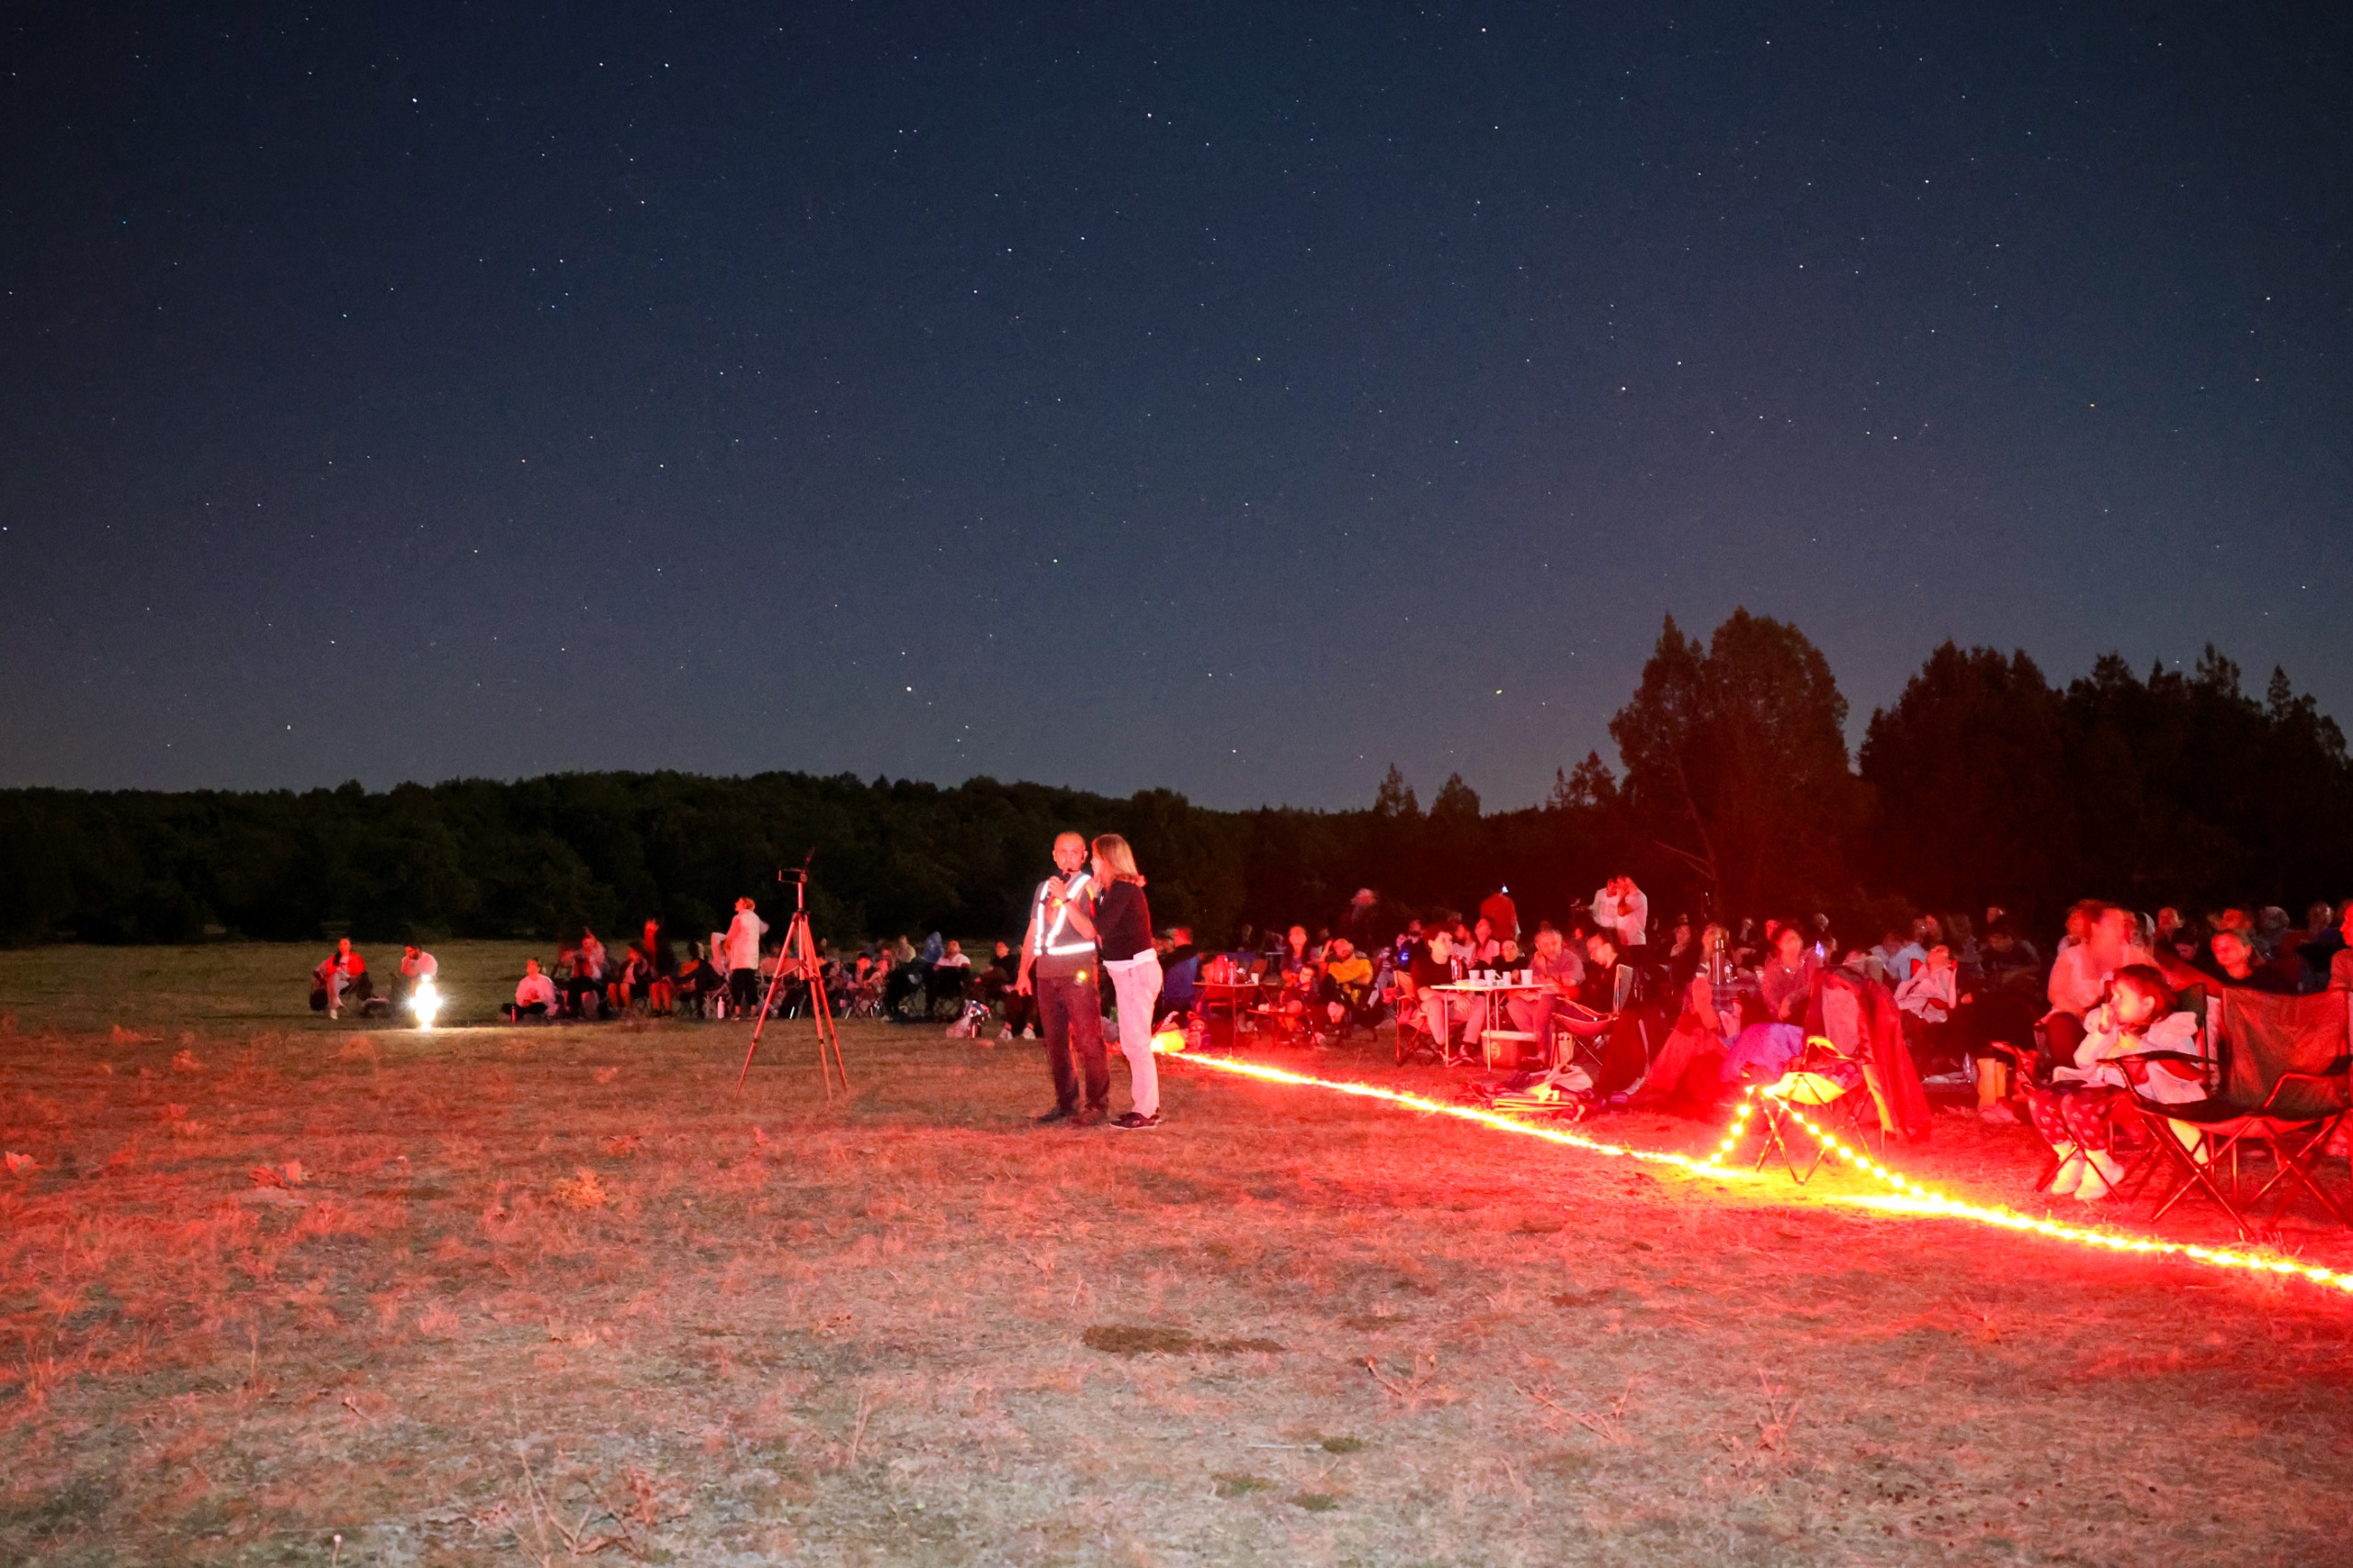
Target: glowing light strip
x: 1909, y: 1196
x: 1711, y: 1166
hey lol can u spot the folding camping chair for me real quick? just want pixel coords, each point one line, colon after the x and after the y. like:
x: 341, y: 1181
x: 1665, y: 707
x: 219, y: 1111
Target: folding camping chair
x: 1581, y: 1036
x: 2125, y: 1136
x: 2286, y: 1084
x: 1414, y: 1038
x: 1826, y: 1081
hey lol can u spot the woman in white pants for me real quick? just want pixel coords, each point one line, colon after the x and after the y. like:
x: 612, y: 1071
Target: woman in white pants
x: 1123, y: 936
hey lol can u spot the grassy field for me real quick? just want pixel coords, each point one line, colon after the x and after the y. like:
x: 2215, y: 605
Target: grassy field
x: 489, y: 1296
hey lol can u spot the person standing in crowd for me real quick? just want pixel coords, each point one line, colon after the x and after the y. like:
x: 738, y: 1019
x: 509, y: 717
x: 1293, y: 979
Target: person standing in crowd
x: 744, y: 934
x: 1501, y: 915
x: 660, y: 970
x: 1122, y: 933
x: 1058, y: 961
x: 1621, y: 909
x: 1358, y: 921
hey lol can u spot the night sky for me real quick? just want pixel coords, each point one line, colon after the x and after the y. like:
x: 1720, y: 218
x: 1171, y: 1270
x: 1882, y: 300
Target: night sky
x: 1232, y: 399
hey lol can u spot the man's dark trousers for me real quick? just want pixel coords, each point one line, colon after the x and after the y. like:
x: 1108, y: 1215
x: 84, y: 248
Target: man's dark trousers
x: 1070, y: 1015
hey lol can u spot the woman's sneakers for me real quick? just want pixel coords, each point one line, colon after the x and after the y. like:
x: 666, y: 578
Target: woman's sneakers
x: 1131, y: 1122
x: 2100, y: 1179
x: 2070, y: 1174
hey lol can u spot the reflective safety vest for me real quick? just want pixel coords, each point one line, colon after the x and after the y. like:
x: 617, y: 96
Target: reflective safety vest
x: 1053, y: 949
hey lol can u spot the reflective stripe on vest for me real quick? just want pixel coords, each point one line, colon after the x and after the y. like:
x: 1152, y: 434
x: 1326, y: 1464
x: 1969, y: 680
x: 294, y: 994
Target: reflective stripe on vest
x: 1045, y: 942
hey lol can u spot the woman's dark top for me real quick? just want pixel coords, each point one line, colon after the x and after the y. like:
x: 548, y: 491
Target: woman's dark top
x: 1122, y: 923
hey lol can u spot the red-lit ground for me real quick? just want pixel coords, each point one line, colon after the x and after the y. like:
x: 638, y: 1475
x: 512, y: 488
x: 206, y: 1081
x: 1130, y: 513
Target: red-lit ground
x: 545, y: 1290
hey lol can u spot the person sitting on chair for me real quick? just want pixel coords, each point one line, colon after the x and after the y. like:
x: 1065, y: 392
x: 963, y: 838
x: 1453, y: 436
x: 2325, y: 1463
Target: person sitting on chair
x: 1612, y: 988
x: 1180, y: 980
x: 1688, y: 1071
x: 696, y: 982
x: 1435, y: 965
x: 1787, y: 979
x: 994, y: 986
x: 1930, y: 1001
x: 1348, y: 984
x: 2236, y: 957
x: 1298, y: 1002
x: 2137, y: 1017
x: 1598, y: 989
x: 1557, y: 973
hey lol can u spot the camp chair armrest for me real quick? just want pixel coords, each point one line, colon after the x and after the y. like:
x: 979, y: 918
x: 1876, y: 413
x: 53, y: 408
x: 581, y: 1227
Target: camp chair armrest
x: 2331, y: 1080
x: 2157, y: 1056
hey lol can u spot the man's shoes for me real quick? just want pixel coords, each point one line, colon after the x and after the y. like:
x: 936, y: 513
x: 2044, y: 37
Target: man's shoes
x: 1090, y: 1117
x: 1131, y: 1122
x: 1059, y: 1113
x: 1999, y: 1114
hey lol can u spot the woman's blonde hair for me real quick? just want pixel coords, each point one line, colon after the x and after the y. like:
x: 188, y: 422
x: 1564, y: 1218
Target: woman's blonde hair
x: 1119, y: 858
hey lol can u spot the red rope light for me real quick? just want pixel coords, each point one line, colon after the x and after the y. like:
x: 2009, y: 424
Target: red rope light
x: 1909, y: 1197
x: 1406, y: 1100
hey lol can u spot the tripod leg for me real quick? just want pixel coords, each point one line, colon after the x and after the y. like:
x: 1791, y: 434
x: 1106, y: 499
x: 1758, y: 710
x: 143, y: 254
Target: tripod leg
x: 822, y: 1014
x: 766, y: 1002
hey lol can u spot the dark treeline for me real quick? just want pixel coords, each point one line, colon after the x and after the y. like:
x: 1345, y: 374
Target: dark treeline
x: 1982, y: 783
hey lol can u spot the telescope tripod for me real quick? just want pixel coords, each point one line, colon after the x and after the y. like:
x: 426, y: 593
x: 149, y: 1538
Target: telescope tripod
x: 800, y: 957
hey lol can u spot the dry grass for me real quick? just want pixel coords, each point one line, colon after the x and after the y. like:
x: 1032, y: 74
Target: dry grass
x: 555, y: 1294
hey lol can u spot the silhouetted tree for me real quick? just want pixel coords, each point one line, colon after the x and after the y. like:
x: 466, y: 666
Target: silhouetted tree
x: 1968, y: 776
x: 1736, y: 761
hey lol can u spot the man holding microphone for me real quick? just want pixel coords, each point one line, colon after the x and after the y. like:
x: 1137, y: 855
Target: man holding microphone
x: 1058, y: 965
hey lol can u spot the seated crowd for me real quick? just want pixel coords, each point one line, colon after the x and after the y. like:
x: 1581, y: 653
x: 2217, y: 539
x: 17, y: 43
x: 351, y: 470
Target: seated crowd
x: 2111, y: 1025
x: 1968, y: 1007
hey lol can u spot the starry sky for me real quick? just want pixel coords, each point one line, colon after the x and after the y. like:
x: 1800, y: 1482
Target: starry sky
x: 1238, y: 399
